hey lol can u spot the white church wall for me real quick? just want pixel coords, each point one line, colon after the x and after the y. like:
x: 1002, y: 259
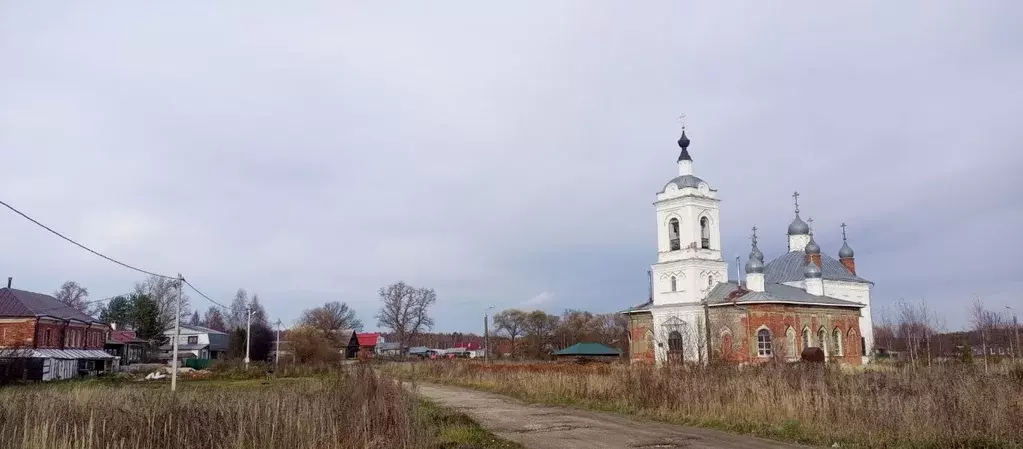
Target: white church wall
x: 689, y: 322
x: 856, y: 292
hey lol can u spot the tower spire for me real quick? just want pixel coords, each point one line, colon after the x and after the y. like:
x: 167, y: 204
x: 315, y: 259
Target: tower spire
x: 683, y: 142
x: 846, y: 254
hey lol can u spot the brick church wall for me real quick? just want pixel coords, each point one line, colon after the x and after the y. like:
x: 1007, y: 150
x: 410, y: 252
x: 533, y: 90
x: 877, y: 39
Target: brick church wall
x: 734, y: 337
x: 641, y: 347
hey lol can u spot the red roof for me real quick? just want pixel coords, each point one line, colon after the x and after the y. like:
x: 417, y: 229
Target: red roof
x: 124, y: 337
x: 368, y: 339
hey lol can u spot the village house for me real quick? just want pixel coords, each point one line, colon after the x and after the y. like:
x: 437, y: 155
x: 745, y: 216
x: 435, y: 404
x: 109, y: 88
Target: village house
x: 802, y: 300
x: 125, y: 345
x: 42, y: 338
x: 196, y: 342
x: 368, y: 342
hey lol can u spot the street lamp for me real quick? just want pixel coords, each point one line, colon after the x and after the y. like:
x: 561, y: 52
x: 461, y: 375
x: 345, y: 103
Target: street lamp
x: 248, y: 333
x: 1015, y: 329
x: 486, y: 334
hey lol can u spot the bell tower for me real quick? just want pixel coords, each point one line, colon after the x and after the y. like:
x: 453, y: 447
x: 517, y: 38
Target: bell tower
x: 689, y: 262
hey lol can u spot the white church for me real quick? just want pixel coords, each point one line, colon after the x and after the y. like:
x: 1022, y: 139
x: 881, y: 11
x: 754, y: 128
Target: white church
x: 800, y: 302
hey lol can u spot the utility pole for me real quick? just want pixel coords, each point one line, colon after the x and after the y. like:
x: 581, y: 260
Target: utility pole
x: 277, y: 350
x: 177, y: 333
x: 486, y: 335
x: 248, y: 333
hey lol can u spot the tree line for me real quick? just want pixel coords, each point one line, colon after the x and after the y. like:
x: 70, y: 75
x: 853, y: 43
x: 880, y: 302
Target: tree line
x: 537, y: 334
x: 919, y: 333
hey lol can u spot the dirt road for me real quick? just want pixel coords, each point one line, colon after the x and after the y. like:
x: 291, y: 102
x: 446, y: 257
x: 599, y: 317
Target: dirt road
x: 543, y: 427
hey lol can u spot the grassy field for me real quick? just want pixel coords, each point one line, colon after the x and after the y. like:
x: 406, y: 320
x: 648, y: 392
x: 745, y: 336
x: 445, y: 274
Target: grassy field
x: 938, y: 407
x: 347, y: 409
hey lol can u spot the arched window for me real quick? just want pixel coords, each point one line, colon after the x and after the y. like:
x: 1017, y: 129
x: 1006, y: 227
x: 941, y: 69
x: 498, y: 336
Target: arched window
x: 710, y: 281
x: 675, y: 341
x: 822, y: 340
x: 726, y: 347
x: 674, y: 284
x: 790, y: 343
x: 836, y: 341
x: 46, y: 338
x: 852, y: 338
x: 705, y: 233
x: 673, y: 234
x: 806, y: 338
x: 764, y: 343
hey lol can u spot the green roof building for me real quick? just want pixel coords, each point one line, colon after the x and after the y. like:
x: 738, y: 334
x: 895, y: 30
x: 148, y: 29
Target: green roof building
x: 594, y: 350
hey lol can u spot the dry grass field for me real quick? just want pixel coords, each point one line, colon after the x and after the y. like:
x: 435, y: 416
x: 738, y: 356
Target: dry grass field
x: 347, y: 409
x: 934, y: 407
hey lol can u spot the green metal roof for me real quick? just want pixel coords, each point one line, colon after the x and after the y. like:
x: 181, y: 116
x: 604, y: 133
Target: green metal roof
x: 588, y: 349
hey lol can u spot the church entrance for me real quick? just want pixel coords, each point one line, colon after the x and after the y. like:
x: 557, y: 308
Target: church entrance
x: 676, y: 353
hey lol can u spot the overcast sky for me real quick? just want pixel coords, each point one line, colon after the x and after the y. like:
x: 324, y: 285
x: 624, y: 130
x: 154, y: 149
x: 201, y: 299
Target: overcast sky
x: 504, y: 155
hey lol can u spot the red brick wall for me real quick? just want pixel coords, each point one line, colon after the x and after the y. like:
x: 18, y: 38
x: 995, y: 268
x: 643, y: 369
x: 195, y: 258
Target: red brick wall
x: 17, y: 332
x: 641, y: 347
x: 96, y: 339
x: 850, y: 264
x: 56, y: 334
x: 730, y: 325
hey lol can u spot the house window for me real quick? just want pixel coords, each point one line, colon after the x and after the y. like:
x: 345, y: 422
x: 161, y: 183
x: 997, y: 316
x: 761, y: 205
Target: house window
x: 673, y: 234
x: 806, y: 338
x: 764, y: 343
x: 790, y: 343
x: 675, y: 341
x: 674, y: 284
x: 822, y: 340
x: 836, y: 342
x: 193, y: 339
x: 705, y: 233
x: 46, y: 337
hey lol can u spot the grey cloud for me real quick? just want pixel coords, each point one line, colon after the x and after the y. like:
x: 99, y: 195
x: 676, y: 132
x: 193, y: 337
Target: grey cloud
x: 318, y: 151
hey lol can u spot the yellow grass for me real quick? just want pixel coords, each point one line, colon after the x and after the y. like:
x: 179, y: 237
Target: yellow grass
x: 350, y: 409
x: 937, y: 407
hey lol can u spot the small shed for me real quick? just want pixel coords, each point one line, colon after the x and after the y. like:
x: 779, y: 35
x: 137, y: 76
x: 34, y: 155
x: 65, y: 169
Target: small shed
x: 592, y: 351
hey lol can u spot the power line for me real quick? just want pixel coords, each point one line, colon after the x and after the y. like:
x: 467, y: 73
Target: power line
x: 204, y: 295
x: 83, y: 246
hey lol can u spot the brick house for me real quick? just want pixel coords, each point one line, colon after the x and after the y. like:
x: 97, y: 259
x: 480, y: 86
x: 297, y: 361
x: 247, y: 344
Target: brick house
x: 42, y: 338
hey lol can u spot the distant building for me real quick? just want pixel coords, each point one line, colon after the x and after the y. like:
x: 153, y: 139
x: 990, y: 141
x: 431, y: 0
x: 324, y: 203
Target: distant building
x: 368, y: 341
x: 42, y: 338
x: 126, y: 346
x: 196, y: 342
x: 594, y: 351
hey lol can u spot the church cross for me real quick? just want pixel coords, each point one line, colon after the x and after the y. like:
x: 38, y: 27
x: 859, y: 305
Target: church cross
x: 795, y: 197
x: 682, y: 121
x: 843, y: 232
x: 754, y: 236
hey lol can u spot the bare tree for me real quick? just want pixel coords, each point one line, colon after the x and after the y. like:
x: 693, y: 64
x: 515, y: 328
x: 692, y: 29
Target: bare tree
x: 405, y: 310
x: 985, y: 322
x: 540, y: 328
x: 164, y: 292
x: 236, y: 317
x: 511, y: 323
x: 915, y: 325
x: 195, y: 320
x: 214, y: 319
x: 331, y: 318
x: 74, y: 295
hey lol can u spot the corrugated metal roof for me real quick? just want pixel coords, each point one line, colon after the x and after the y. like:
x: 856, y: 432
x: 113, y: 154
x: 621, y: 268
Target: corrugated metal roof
x: 789, y: 267
x: 729, y: 293
x: 21, y: 303
x: 90, y: 354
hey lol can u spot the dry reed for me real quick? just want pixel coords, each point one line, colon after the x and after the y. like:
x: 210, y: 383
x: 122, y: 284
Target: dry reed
x: 939, y: 407
x: 351, y: 409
